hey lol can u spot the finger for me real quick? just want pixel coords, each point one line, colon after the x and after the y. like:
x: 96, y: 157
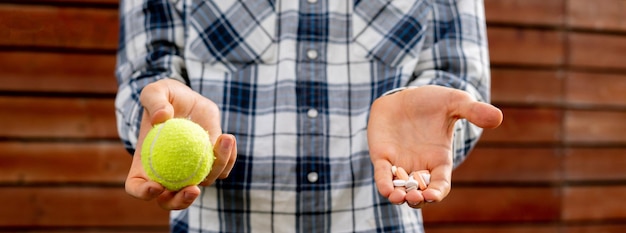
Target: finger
x: 137, y: 184
x: 416, y: 206
x: 206, y: 114
x: 414, y: 198
x: 143, y: 189
x: 383, y: 177
x: 231, y: 159
x: 440, y: 184
x: 397, y: 196
x: 222, y: 150
x: 181, y: 199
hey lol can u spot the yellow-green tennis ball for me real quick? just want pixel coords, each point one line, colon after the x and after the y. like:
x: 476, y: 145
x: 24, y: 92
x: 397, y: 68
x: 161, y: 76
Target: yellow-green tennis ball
x: 177, y: 153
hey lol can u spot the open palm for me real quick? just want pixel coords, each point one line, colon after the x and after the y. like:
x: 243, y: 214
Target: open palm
x: 414, y: 129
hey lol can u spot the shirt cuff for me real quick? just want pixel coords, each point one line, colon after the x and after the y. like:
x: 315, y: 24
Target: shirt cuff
x: 399, y: 89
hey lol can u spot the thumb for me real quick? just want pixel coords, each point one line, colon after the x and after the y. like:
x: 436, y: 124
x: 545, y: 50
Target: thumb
x: 155, y: 100
x: 481, y: 114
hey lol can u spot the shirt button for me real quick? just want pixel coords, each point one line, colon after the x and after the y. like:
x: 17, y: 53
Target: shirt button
x: 312, y: 1
x: 312, y: 113
x: 312, y: 177
x: 311, y: 54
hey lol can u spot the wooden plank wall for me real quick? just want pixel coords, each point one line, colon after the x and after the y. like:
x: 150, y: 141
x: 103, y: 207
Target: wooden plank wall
x: 557, y: 164
x: 62, y: 167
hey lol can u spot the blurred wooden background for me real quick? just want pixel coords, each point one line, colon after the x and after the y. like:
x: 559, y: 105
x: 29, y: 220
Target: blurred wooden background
x: 557, y: 164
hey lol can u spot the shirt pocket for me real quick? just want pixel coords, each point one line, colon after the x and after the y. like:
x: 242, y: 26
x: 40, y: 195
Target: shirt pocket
x: 391, y: 32
x: 235, y: 33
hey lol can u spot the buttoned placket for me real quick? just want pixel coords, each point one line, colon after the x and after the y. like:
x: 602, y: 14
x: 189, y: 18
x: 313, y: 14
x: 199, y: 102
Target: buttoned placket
x: 311, y: 58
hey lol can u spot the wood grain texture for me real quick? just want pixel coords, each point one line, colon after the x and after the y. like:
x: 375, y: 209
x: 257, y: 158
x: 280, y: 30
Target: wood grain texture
x: 512, y: 228
x: 555, y: 165
x: 595, y: 127
x: 595, y: 164
x: 105, y: 2
x: 51, y: 72
x: 41, y: 117
x: 525, y: 12
x: 26, y: 163
x: 526, y: 86
x: 594, y: 203
x: 496, y: 205
x: 521, y: 125
x: 76, y: 206
x: 600, y: 51
x: 522, y: 46
x: 596, y: 89
x: 597, y: 227
x: 601, y: 15
x: 58, y: 27
x: 516, y: 165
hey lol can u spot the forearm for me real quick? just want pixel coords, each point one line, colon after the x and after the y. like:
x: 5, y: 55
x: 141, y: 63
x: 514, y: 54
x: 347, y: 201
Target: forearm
x: 150, y: 49
x: 459, y: 59
x: 458, y: 56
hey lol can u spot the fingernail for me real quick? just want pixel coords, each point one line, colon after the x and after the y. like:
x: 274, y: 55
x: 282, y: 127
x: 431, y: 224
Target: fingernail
x: 188, y: 196
x: 225, y: 144
x: 152, y: 192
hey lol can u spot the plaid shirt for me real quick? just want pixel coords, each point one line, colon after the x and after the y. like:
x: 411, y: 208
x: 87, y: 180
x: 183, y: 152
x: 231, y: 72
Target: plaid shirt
x: 295, y: 81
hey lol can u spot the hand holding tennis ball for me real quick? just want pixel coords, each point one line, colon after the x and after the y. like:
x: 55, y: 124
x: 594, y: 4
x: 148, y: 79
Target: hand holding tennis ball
x: 177, y: 153
x: 415, y: 129
x: 167, y: 99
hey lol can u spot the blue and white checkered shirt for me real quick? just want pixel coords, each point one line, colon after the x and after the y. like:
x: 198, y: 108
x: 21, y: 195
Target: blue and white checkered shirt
x: 294, y: 80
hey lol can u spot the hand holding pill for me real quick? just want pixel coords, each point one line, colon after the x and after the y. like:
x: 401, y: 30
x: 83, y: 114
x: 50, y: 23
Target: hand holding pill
x: 418, y: 180
x: 414, y: 130
x: 406, y: 183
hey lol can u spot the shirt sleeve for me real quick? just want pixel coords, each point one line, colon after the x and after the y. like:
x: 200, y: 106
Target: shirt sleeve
x: 457, y: 58
x: 151, y: 42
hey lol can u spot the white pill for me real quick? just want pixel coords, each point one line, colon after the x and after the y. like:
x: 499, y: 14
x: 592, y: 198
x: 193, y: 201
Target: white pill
x: 399, y: 183
x: 394, y: 169
x: 411, y: 183
x: 426, y: 177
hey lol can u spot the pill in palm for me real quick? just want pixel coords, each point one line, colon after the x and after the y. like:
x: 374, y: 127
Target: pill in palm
x: 426, y: 177
x: 411, y: 183
x: 401, y: 174
x: 399, y: 183
x: 416, y: 180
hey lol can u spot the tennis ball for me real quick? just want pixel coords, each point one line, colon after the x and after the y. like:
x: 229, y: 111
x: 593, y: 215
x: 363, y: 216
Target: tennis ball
x: 177, y: 153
